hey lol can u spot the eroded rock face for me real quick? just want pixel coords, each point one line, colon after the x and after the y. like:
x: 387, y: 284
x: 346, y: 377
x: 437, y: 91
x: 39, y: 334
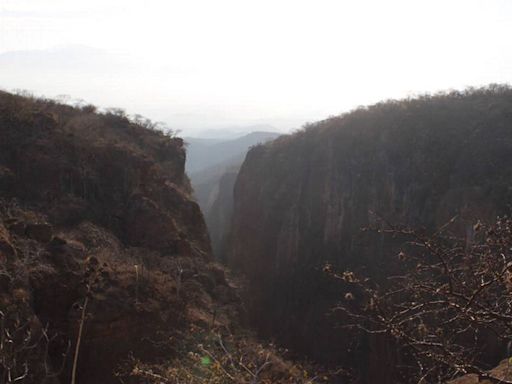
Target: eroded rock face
x: 102, y: 168
x: 218, y: 217
x: 301, y: 201
x: 95, y: 207
x: 127, y: 307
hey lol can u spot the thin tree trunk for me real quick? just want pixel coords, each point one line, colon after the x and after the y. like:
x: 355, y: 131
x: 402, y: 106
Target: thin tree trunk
x: 78, y: 340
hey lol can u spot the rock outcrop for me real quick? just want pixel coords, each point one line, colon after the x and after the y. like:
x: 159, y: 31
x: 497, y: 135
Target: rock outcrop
x: 301, y: 201
x: 94, y: 207
x: 79, y: 165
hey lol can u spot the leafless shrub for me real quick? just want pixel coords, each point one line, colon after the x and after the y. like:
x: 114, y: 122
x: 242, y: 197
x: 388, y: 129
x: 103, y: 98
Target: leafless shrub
x: 92, y: 281
x: 207, y: 355
x: 24, y: 351
x: 452, y: 294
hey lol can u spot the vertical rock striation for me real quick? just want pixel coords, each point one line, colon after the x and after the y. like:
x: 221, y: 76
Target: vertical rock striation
x: 301, y: 201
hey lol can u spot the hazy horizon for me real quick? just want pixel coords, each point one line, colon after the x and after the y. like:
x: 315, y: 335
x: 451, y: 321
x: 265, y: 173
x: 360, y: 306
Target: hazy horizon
x: 202, y: 66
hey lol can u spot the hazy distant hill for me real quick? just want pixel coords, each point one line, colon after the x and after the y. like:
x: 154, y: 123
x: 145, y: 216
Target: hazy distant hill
x: 204, y: 153
x: 231, y: 132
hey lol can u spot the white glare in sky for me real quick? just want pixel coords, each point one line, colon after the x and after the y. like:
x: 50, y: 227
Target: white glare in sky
x: 196, y: 64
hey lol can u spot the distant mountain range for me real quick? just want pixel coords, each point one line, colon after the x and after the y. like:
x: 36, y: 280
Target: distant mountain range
x: 204, y: 153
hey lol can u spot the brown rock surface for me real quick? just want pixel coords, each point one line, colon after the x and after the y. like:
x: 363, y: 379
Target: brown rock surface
x: 42, y: 232
x: 110, y: 212
x: 302, y: 200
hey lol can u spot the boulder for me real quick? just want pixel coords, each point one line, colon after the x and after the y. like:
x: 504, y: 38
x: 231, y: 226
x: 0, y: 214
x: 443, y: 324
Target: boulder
x: 17, y: 227
x: 42, y: 232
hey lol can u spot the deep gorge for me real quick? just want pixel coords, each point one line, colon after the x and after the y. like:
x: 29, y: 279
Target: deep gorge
x: 105, y: 251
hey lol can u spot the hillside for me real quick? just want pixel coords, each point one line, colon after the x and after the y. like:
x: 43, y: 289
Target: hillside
x: 302, y: 200
x: 106, y: 272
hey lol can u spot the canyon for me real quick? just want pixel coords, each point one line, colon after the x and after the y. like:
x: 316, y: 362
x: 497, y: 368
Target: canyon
x: 107, y: 270
x: 107, y: 273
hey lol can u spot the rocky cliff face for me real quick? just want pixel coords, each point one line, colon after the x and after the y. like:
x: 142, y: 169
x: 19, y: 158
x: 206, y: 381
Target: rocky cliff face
x: 218, y: 216
x: 80, y: 165
x: 301, y: 201
x: 105, y: 260
x: 93, y: 207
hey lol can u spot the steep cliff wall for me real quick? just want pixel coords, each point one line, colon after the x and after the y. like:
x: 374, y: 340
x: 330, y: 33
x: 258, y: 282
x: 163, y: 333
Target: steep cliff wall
x: 218, y: 216
x: 105, y: 261
x: 76, y: 165
x: 213, y: 174
x: 301, y: 200
x: 93, y: 206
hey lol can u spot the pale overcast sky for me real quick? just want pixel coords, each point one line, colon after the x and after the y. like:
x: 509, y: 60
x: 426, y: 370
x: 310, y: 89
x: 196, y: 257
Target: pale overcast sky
x: 212, y: 63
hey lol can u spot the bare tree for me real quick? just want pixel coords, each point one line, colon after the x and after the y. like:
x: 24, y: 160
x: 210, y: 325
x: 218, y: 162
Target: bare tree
x: 24, y: 351
x: 92, y: 282
x: 451, y: 296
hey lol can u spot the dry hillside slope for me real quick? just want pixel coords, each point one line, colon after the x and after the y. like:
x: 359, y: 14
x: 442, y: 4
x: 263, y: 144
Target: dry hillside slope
x: 105, y: 261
